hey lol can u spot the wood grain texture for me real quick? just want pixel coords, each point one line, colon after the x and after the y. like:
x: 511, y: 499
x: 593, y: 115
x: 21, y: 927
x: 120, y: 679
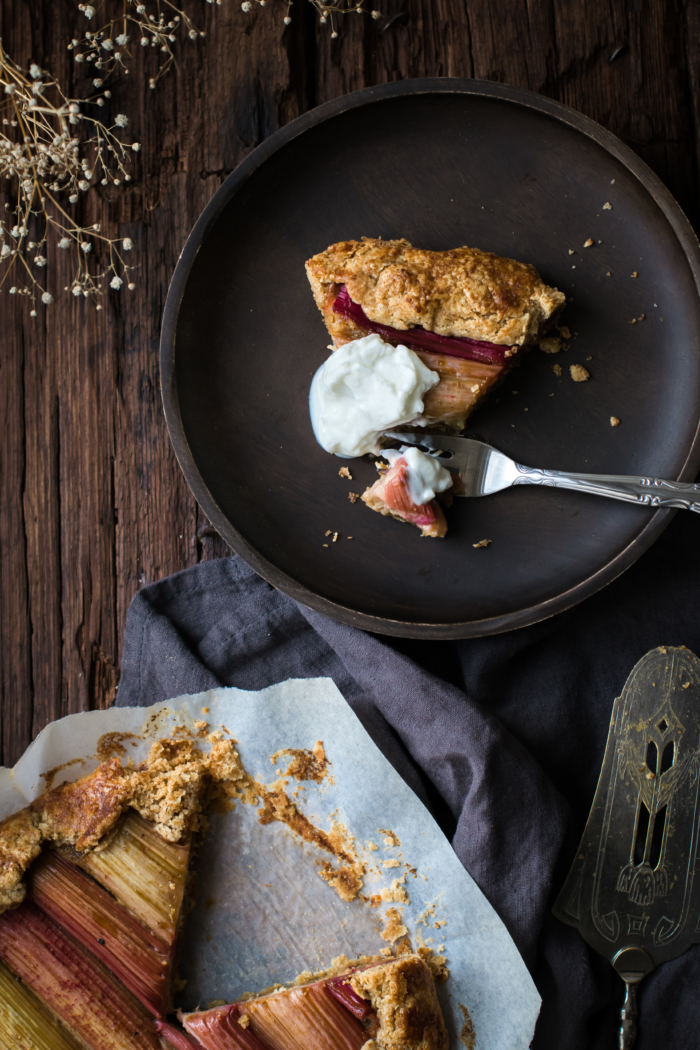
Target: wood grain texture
x: 93, y: 504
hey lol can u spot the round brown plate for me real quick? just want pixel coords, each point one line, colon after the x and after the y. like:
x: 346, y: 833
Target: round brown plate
x: 442, y: 163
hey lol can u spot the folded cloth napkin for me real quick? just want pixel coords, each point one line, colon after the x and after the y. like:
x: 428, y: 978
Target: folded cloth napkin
x: 502, y: 738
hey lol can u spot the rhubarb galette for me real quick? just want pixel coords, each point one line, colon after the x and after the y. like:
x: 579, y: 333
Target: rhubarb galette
x: 468, y: 315
x: 93, y: 876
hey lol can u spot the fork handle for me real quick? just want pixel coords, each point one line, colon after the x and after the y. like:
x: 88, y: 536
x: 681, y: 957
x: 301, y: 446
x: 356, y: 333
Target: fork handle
x: 646, y: 492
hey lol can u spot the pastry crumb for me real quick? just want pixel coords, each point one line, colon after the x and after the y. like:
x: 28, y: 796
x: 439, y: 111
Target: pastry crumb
x: 393, y: 863
x: 353, y: 497
x: 327, y: 532
x: 686, y: 685
x: 335, y: 537
x: 386, y: 952
x: 607, y: 206
x: 345, y: 473
x: 481, y: 543
x: 571, y: 251
x: 474, y: 388
x: 633, y: 321
x: 325, y: 544
x: 634, y: 274
x: 556, y: 369
x: 588, y: 243
x: 579, y: 374
x: 564, y: 332
x: 244, y: 1020
x: 394, y: 927
x: 608, y: 274
x: 614, y: 421
x: 551, y: 345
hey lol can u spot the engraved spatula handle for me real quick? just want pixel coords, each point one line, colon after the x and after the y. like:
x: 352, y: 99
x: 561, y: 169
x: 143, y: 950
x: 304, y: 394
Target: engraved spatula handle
x: 628, y: 1016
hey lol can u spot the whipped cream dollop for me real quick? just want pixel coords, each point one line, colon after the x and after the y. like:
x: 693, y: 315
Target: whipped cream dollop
x: 364, y: 388
x: 426, y: 476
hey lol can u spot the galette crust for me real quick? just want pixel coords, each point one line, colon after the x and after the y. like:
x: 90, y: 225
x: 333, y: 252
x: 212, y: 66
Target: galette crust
x: 462, y: 292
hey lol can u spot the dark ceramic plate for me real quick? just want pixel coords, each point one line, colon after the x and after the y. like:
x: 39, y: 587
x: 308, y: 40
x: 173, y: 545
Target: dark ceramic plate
x: 442, y: 163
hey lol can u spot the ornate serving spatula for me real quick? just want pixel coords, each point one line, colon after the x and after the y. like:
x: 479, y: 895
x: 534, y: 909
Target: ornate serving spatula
x: 633, y: 890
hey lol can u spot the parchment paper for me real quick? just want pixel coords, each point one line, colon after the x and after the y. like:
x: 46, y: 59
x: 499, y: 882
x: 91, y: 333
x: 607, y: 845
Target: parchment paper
x: 263, y: 915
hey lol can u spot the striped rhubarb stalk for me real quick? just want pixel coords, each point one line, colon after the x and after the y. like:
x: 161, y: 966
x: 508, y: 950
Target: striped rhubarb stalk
x: 223, y: 1028
x: 25, y: 1024
x: 133, y: 952
x: 301, y: 1018
x: 75, y: 986
x: 144, y: 872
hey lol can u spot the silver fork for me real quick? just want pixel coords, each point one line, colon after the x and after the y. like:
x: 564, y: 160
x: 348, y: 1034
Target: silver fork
x: 484, y: 470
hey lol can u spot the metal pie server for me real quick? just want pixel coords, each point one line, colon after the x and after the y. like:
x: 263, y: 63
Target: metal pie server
x: 633, y: 891
x: 484, y: 470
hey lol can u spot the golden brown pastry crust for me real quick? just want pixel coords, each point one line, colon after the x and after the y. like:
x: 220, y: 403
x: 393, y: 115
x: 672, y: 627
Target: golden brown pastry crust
x: 166, y: 790
x: 403, y: 995
x: 462, y: 292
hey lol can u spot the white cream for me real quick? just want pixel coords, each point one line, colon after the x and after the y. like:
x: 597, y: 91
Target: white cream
x: 363, y: 389
x: 426, y: 475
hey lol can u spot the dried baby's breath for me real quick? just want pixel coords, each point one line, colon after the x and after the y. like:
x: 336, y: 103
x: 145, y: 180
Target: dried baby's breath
x: 47, y: 168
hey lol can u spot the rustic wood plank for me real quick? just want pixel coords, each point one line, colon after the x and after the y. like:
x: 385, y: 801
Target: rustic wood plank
x: 93, y: 502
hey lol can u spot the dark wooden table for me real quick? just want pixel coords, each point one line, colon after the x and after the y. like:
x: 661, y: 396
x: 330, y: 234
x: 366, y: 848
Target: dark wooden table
x: 92, y: 502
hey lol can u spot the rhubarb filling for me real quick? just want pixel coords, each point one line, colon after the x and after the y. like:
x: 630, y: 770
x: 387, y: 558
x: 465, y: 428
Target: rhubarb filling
x: 384, y: 1006
x: 417, y: 338
x: 391, y: 495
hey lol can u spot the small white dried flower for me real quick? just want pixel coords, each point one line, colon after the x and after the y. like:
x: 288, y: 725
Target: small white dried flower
x: 73, y: 198
x: 122, y: 39
x: 83, y: 185
x: 141, y: 10
x: 144, y: 41
x: 116, y: 283
x: 103, y: 182
x: 32, y: 313
x: 88, y: 11
x: 31, y: 245
x: 131, y: 286
x: 98, y: 83
x: 98, y: 307
x: 34, y: 71
x: 121, y: 120
x: 100, y: 102
x: 47, y: 298
x: 287, y: 20
x: 246, y: 6
x: 96, y: 227
x: 40, y: 260
x: 376, y: 14
x: 6, y: 250
x: 334, y: 35
x: 107, y: 45
x: 136, y: 146
x: 9, y: 89
x: 74, y: 108
x: 127, y: 244
x: 64, y: 242
x: 86, y: 246
x: 192, y: 34
x: 117, y: 181
x: 13, y: 290
x: 79, y: 58
x: 108, y: 94
x: 76, y: 290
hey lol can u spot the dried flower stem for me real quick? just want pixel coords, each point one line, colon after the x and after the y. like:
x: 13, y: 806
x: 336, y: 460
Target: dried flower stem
x: 43, y: 160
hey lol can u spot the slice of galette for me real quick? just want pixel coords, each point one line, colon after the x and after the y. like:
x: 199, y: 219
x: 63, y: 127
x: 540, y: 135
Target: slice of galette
x: 468, y: 314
